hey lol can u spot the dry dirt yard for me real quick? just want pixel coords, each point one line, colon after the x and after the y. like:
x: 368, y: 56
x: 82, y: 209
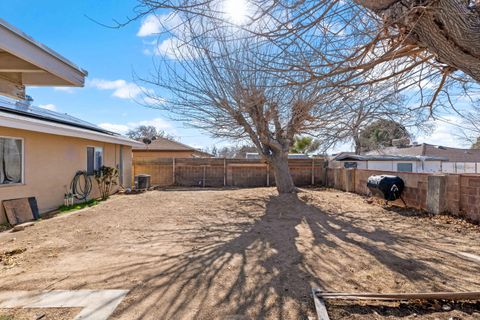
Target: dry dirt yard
x: 245, y: 254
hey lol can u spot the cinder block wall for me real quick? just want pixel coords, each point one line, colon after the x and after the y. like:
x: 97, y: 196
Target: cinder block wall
x: 457, y: 195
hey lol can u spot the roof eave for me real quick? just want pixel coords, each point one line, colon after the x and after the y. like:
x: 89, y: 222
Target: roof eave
x: 31, y: 124
x: 41, y: 65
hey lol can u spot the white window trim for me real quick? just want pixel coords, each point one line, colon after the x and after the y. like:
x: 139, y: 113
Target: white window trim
x: 22, y: 183
x: 95, y: 147
x: 94, y: 154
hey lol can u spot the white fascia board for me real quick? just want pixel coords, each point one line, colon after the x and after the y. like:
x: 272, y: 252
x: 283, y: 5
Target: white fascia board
x: 36, y: 125
x: 24, y: 47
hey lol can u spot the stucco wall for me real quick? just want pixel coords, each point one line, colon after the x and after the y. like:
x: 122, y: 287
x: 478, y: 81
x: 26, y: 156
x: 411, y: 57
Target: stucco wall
x: 51, y: 161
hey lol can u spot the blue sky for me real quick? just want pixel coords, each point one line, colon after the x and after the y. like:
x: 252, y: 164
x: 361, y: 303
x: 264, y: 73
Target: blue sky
x: 111, y: 56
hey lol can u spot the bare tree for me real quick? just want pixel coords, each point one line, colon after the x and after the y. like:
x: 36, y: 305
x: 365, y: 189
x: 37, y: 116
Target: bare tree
x: 236, y: 152
x: 446, y: 28
x: 467, y: 121
x: 356, y: 43
x: 376, y: 103
x: 147, y: 132
x: 215, y: 85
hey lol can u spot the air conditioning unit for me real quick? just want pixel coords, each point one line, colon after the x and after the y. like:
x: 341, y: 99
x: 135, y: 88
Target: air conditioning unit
x: 142, y: 182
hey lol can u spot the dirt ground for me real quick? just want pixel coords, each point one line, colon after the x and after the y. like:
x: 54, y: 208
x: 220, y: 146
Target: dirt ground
x: 245, y: 254
x: 39, y: 314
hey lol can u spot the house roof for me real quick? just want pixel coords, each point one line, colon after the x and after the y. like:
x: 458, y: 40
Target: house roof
x: 429, y: 150
x: 356, y: 157
x: 24, y: 62
x: 41, y: 120
x: 162, y: 144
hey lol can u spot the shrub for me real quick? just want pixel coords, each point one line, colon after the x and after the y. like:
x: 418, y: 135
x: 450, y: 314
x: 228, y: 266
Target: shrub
x: 106, y: 178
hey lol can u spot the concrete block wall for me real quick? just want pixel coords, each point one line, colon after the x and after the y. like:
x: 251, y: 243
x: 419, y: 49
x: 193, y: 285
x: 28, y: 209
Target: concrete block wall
x: 447, y: 193
x: 470, y: 196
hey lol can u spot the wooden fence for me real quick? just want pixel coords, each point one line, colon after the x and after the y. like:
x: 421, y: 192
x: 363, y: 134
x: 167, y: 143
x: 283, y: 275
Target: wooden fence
x: 203, y: 172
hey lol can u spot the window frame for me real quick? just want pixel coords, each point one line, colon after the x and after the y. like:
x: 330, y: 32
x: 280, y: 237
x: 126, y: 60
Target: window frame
x: 95, y: 149
x: 350, y: 165
x: 405, y: 163
x: 22, y: 182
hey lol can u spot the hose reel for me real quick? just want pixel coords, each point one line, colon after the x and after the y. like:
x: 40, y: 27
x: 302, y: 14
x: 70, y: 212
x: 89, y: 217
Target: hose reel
x: 81, y: 185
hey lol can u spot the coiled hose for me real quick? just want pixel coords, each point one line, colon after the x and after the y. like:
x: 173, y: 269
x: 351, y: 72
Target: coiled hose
x: 81, y: 188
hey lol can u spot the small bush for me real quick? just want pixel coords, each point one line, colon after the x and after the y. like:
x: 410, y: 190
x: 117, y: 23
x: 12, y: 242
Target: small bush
x: 106, y: 178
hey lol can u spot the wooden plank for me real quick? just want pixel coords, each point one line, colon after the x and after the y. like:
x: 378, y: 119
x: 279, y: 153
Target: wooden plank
x: 474, y: 295
x: 20, y: 210
x: 11, y: 89
x: 322, y: 313
x: 10, y: 63
x: 61, y: 70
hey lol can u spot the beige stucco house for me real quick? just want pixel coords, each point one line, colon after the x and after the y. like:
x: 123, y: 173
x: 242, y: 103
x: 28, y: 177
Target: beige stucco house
x: 41, y: 150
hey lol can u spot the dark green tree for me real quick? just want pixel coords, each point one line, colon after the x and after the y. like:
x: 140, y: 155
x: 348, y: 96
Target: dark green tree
x: 380, y: 134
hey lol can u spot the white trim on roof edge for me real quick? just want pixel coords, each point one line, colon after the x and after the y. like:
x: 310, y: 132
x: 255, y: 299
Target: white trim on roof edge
x: 25, y: 123
x: 20, y: 45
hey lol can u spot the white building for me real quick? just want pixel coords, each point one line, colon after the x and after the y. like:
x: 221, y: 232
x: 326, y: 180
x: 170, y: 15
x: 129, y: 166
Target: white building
x: 390, y: 163
x: 414, y: 158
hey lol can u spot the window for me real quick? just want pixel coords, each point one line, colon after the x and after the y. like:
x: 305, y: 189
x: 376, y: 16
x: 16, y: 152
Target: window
x: 94, y: 159
x: 11, y: 160
x: 350, y: 165
x: 404, y: 167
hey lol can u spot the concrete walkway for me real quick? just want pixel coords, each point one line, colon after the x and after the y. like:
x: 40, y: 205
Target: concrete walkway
x: 96, y: 304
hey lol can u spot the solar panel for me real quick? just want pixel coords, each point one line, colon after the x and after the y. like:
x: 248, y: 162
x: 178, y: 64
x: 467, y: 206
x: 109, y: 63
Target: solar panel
x: 48, y: 115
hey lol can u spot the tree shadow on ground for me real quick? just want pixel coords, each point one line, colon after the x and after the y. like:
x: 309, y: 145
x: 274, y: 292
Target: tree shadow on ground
x: 266, y: 269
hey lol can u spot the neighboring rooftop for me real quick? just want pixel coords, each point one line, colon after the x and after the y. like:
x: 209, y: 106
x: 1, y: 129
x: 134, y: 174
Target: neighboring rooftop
x: 24, y: 62
x: 163, y: 144
x: 356, y: 157
x: 429, y: 150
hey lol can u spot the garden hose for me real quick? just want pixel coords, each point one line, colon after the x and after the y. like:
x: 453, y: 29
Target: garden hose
x: 79, y: 187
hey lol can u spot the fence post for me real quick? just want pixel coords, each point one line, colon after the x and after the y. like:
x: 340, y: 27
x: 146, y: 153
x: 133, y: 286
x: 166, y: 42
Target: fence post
x: 436, y: 188
x: 268, y: 174
x: 224, y: 172
x: 173, y: 171
x: 204, y: 173
x: 313, y: 172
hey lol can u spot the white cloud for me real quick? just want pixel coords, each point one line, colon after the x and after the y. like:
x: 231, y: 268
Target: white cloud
x: 151, y: 25
x: 158, y: 123
x: 64, y: 89
x: 118, y: 128
x: 127, y: 90
x: 154, y: 24
x: 170, y: 47
x: 48, y: 106
x: 121, y: 88
x: 446, y: 133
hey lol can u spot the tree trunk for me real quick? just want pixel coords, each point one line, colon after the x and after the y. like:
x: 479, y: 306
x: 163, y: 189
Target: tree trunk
x: 283, y: 178
x: 447, y: 28
x: 358, y: 145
